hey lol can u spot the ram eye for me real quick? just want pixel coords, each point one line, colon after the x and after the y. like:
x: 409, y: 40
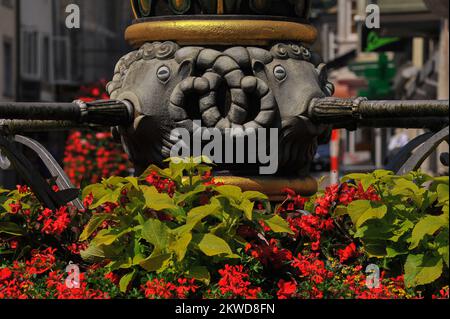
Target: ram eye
x: 163, y: 74
x: 280, y: 73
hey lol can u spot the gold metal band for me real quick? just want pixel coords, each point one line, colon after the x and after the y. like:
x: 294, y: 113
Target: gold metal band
x: 219, y: 32
x: 272, y: 186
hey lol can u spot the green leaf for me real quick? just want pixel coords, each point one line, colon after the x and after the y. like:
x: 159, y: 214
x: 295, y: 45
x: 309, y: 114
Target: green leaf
x: 126, y: 280
x: 109, y: 197
x: 252, y: 195
x: 422, y: 269
x: 442, y: 241
x: 133, y: 181
x: 212, y: 245
x: 375, y: 249
x: 93, y: 253
x: 187, y: 197
x: 279, y: 225
x: 156, y: 262
x: 247, y: 207
x: 92, y: 226
x: 156, y: 201
x: 361, y: 211
x: 124, y: 263
x: 198, y: 213
x: 357, y: 208
x: 380, y: 173
x: 101, y: 194
x: 340, y: 210
x: 356, y: 177
x: 428, y: 225
x: 107, y: 237
x: 375, y: 229
x: 372, y: 213
x: 156, y: 233
x: 405, y: 187
x: 180, y: 246
x: 97, y: 190
x: 443, y: 251
x: 115, y: 181
x: 200, y: 273
x: 231, y: 192
x: 400, y: 229
x: 441, y: 179
x: 11, y: 229
x: 443, y: 193
x: 367, y: 181
x: 396, y: 249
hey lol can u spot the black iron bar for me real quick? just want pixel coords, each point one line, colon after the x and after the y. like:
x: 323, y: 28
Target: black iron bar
x: 401, y: 109
x: 351, y: 113
x: 25, y: 126
x: 40, y: 111
x: 102, y: 112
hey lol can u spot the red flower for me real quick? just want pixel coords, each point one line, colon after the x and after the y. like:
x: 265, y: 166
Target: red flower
x: 347, y: 253
x: 315, y: 245
x: 270, y: 255
x: 54, y: 223
x: 15, y: 208
x: 5, y: 273
x: 288, y: 191
x: 41, y: 262
x: 112, y: 277
x: 161, y: 289
x: 234, y: 283
x: 13, y: 244
x: 287, y: 289
x: 23, y: 189
x: 158, y: 289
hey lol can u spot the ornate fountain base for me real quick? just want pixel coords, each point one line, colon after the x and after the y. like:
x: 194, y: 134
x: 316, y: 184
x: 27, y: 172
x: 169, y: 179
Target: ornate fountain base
x: 272, y: 186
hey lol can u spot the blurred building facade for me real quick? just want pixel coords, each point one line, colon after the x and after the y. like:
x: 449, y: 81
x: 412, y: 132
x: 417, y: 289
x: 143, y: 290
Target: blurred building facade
x: 406, y: 58
x: 43, y: 60
x: 7, y: 50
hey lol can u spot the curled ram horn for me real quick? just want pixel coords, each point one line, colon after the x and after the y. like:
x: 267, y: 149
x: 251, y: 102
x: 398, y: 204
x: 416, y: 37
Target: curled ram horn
x: 306, y: 53
x: 166, y: 50
x: 280, y: 51
x: 148, y: 51
x: 296, y: 51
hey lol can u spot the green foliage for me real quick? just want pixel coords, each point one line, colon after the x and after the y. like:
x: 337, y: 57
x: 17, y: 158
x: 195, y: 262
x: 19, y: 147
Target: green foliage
x: 25, y: 225
x: 408, y: 225
x: 191, y: 232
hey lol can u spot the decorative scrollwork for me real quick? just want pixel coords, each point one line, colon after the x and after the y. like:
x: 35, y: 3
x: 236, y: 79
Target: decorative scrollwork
x: 424, y: 151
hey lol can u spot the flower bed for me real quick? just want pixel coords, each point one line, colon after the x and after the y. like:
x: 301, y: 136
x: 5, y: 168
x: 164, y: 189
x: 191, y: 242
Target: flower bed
x: 90, y: 155
x: 176, y: 233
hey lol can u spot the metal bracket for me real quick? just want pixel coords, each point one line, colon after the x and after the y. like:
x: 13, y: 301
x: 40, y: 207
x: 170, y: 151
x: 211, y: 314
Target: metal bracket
x: 405, y: 153
x: 51, y: 199
x: 424, y: 151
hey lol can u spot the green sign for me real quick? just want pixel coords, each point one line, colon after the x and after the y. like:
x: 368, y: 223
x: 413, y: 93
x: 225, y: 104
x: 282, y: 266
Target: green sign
x: 374, y: 42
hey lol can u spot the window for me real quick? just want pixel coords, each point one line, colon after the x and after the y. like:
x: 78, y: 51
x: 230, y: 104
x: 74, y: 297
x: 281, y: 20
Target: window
x: 46, y: 59
x: 8, y: 78
x: 7, y: 3
x: 30, y: 55
x: 61, y: 51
